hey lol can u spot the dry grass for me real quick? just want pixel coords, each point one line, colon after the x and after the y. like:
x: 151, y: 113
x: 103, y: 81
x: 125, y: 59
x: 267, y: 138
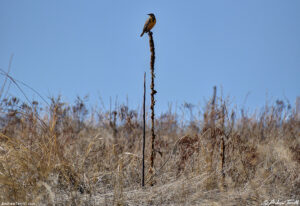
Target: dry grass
x: 69, y: 155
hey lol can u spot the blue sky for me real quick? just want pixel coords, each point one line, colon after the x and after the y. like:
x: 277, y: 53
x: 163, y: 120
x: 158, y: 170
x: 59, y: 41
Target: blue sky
x: 249, y: 48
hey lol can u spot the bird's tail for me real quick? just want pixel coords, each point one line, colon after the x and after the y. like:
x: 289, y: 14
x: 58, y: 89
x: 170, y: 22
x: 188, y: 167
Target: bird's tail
x: 142, y: 33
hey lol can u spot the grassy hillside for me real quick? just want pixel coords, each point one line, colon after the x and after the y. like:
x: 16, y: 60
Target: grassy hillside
x: 70, y: 155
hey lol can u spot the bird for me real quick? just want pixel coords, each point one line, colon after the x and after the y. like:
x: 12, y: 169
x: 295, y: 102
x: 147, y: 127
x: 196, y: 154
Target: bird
x: 151, y: 21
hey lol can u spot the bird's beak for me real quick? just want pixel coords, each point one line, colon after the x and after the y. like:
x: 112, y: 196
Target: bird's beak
x: 148, y: 14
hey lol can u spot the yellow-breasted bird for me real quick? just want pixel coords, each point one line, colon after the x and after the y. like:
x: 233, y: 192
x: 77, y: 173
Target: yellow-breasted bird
x: 149, y: 24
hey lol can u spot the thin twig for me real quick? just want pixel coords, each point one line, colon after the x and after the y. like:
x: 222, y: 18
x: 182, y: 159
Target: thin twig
x: 6, y: 77
x: 144, y: 132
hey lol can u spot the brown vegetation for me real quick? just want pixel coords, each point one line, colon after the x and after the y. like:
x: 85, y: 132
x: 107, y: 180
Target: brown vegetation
x: 70, y: 155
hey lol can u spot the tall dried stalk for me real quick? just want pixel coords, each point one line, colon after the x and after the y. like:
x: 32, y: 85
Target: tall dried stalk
x: 213, y: 113
x: 222, y: 147
x: 153, y: 92
x: 144, y: 131
x: 212, y: 140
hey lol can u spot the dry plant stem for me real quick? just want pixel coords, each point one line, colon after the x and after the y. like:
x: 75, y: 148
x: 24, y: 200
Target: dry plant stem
x: 222, y: 152
x: 212, y: 129
x: 153, y: 92
x: 212, y: 114
x: 222, y: 157
x: 144, y: 131
x: 9, y: 67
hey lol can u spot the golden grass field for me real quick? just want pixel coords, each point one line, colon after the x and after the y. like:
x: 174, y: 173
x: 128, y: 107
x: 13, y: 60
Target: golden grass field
x: 71, y: 155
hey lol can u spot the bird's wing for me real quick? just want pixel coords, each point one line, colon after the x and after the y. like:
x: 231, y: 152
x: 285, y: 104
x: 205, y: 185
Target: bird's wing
x: 146, y: 25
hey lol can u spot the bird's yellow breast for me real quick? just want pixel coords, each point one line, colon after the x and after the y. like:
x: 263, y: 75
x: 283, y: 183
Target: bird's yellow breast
x: 151, y: 24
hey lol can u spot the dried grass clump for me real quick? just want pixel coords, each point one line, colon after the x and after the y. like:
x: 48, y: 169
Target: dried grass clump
x: 62, y: 154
